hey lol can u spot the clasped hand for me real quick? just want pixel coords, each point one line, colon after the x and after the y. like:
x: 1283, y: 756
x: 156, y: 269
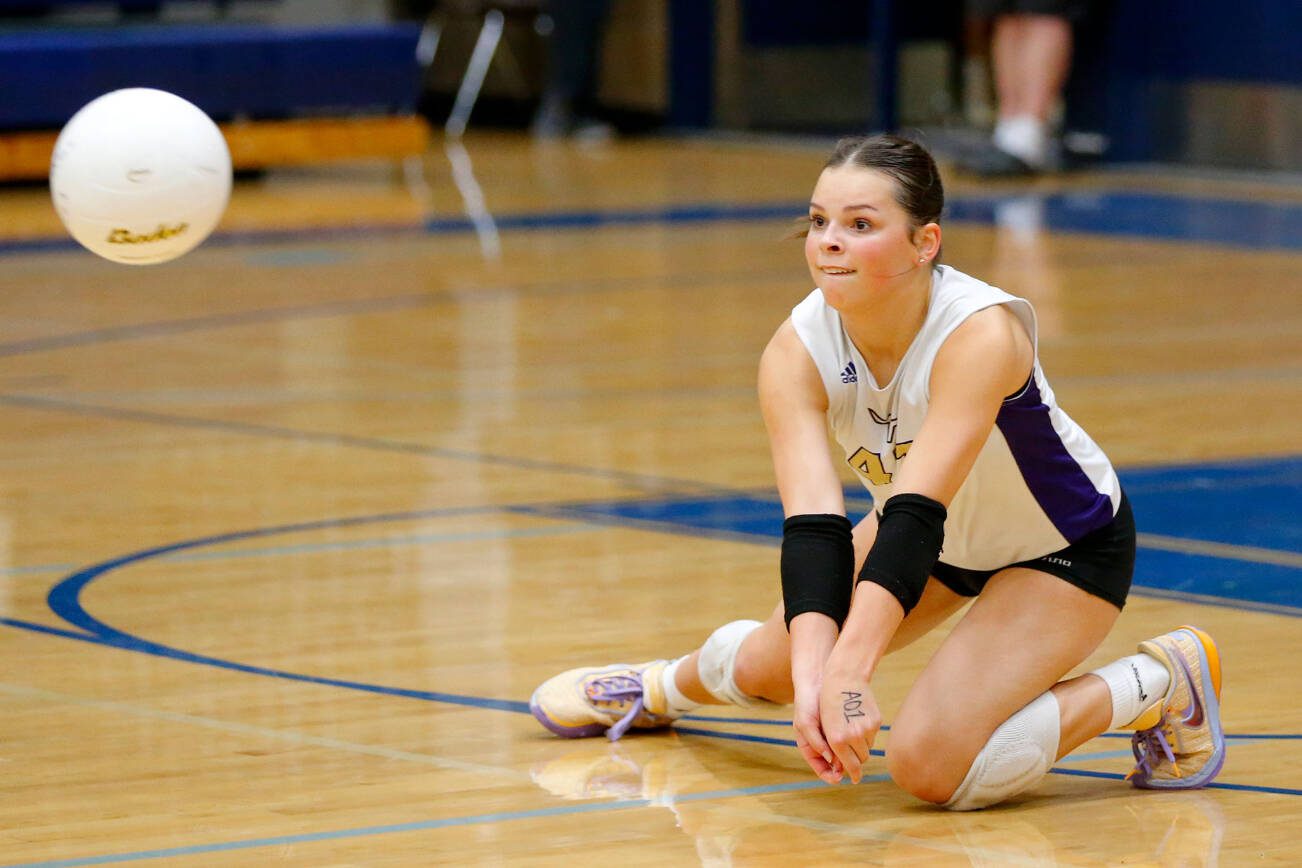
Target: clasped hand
x: 836, y: 722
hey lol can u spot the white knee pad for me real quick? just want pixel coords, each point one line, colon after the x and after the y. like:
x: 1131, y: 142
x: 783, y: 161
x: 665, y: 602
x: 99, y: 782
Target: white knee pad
x: 718, y: 659
x: 1019, y: 753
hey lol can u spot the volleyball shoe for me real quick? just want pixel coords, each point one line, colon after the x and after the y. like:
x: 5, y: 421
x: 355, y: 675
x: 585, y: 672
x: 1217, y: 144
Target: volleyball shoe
x: 609, y: 699
x: 1179, y: 744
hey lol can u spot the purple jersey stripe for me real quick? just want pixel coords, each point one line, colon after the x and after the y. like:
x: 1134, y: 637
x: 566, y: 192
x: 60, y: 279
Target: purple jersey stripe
x: 1056, y: 480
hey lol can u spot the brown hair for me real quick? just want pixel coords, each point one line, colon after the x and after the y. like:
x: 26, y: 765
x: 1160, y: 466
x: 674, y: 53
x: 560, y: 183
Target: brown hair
x: 917, y: 180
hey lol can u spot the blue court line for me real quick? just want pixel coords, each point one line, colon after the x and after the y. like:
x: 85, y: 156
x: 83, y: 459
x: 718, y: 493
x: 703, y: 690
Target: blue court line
x: 426, y: 825
x: 1172, y: 500
x: 1211, y: 600
x: 64, y: 600
x: 33, y: 627
x: 345, y: 307
x: 523, y: 707
x: 742, y: 736
x: 165, y: 328
x: 36, y: 569
x: 706, y: 718
x: 1163, y: 216
x: 1252, y: 224
x: 1227, y: 786
x: 639, y: 481
x: 783, y: 742
x: 742, y: 516
x: 314, y: 548
x: 1243, y: 736
x: 1214, y: 785
x: 756, y: 721
x: 1255, y: 498
x: 376, y: 543
x: 745, y: 517
x: 506, y: 816
x: 111, y: 638
x: 1097, y: 755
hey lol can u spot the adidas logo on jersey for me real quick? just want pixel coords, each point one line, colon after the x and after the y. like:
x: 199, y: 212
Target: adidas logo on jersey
x: 849, y: 375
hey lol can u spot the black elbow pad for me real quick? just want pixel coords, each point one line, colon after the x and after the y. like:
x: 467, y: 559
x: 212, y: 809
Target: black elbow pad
x: 817, y: 566
x: 909, y: 536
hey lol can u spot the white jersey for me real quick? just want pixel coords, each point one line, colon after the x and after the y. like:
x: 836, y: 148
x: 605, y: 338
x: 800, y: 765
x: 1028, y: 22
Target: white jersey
x: 1039, y: 482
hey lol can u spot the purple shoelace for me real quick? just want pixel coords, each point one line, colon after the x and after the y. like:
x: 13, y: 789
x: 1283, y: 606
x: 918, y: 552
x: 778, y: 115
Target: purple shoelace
x: 619, y: 688
x: 1146, y: 744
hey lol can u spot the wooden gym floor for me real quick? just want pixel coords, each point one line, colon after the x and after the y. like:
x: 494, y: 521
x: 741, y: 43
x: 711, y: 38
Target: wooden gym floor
x: 291, y: 528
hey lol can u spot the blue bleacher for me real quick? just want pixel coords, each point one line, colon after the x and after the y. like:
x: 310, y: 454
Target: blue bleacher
x: 38, y: 7
x: 258, y: 71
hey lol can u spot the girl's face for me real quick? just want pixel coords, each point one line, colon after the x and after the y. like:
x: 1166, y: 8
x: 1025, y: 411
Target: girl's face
x: 859, y: 237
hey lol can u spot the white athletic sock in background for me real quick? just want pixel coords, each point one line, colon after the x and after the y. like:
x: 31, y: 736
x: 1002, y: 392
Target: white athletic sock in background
x: 1025, y: 137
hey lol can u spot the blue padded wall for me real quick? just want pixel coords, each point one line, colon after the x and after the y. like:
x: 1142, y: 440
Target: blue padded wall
x: 260, y: 71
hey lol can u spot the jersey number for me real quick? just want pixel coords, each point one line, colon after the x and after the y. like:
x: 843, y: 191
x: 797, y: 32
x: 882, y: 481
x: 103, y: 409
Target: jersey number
x: 869, y: 464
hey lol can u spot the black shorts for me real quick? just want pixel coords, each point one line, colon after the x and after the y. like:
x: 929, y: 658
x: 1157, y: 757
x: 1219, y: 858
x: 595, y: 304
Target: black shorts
x: 1073, y: 10
x: 1102, y: 562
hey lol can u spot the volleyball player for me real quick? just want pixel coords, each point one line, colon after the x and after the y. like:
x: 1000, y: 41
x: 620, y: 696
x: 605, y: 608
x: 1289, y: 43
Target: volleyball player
x: 982, y: 486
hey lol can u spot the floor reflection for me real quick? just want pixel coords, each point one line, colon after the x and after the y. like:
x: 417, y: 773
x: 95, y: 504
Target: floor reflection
x: 733, y: 822
x: 1022, y: 263
x: 472, y: 199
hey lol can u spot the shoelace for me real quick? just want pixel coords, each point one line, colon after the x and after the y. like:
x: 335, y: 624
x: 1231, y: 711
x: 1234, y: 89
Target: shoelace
x: 1147, y: 744
x: 619, y: 688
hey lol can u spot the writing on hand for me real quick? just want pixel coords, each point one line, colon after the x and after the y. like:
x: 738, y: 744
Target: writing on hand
x: 852, y: 705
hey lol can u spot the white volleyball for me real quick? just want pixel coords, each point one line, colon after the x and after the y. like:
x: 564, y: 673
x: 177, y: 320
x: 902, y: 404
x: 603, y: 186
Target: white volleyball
x: 140, y: 176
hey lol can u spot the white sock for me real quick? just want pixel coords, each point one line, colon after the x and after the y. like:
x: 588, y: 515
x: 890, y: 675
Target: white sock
x: 1025, y: 137
x: 1136, y: 683
x: 674, y: 698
